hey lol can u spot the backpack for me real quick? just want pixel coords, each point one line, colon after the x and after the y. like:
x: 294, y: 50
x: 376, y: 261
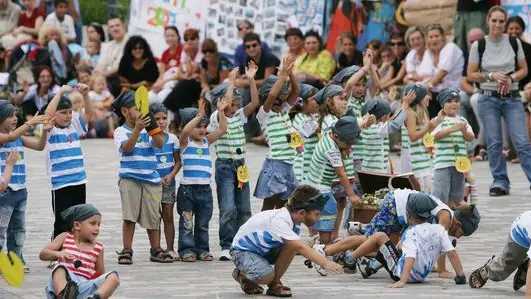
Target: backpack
x: 514, y: 45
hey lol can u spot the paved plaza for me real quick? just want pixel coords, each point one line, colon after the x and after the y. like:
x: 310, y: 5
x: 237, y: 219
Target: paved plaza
x: 213, y: 279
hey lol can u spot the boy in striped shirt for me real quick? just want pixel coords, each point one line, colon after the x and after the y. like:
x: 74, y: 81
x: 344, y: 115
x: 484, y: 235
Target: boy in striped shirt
x: 234, y: 198
x: 140, y: 183
x: 64, y: 157
x: 168, y: 165
x: 194, y: 198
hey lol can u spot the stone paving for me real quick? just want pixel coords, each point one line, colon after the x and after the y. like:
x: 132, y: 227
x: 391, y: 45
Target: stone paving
x: 213, y: 279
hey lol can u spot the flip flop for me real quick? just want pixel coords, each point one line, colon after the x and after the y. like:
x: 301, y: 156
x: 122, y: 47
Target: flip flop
x: 279, y: 291
x: 479, y: 277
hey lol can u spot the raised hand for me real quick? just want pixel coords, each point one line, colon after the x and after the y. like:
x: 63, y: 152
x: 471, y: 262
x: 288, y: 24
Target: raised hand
x: 12, y: 157
x: 142, y: 122
x: 233, y: 74
x: 65, y: 89
x: 38, y: 119
x: 48, y: 126
x: 251, y: 69
x: 201, y: 105
x: 223, y: 104
x: 83, y: 88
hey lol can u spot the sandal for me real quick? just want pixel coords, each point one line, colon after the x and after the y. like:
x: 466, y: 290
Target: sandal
x: 173, y: 255
x: 206, y: 257
x: 519, y: 279
x: 279, y: 291
x: 125, y: 257
x: 188, y: 258
x: 248, y: 287
x: 159, y: 256
x: 70, y: 291
x: 479, y: 277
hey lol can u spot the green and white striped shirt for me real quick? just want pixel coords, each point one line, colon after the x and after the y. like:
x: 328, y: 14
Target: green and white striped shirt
x: 356, y: 105
x: 306, y: 125
x: 419, y: 156
x: 376, y: 148
x: 228, y: 144
x: 326, y: 157
x: 276, y: 126
x: 327, y: 125
x: 445, y: 148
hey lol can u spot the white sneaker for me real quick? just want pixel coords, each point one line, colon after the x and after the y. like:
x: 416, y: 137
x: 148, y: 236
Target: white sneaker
x: 225, y: 255
x: 319, y: 248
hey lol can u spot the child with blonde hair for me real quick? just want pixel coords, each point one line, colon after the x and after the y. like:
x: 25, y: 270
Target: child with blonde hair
x: 102, y: 100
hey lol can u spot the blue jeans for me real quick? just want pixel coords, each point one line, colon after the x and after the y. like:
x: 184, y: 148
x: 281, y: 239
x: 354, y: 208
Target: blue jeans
x: 13, y: 220
x: 234, y: 203
x: 194, y: 200
x: 491, y: 111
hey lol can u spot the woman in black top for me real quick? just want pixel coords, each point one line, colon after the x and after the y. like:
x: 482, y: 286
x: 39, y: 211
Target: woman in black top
x: 349, y: 54
x: 138, y: 66
x: 516, y: 27
x: 215, y: 68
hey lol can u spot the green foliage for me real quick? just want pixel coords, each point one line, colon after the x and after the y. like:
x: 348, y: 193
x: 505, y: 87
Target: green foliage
x: 96, y: 10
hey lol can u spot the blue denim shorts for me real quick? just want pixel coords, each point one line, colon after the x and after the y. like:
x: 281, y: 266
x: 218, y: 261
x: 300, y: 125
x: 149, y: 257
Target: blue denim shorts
x: 87, y: 287
x: 252, y: 265
x: 448, y: 184
x: 169, y: 195
x: 276, y: 178
x: 328, y: 215
x: 386, y: 219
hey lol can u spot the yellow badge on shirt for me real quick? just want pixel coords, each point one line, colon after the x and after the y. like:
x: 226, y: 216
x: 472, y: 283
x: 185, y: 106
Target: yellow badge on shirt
x: 12, y: 269
x: 428, y: 140
x: 462, y: 164
x: 142, y: 100
x: 243, y: 175
x: 296, y: 140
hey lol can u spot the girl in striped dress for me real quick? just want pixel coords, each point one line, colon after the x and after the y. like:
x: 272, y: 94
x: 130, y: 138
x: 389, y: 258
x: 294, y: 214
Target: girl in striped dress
x: 305, y: 123
x: 234, y: 198
x: 417, y: 125
x: 277, y: 181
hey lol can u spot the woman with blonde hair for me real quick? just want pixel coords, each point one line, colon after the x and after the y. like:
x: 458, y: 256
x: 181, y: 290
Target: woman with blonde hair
x: 52, y: 38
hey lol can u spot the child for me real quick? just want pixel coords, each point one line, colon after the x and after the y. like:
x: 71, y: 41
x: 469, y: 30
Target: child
x: 11, y: 158
x: 276, y: 180
x: 81, y: 271
x: 272, y: 238
x: 376, y: 137
x: 305, y: 123
x: 92, y: 54
x: 14, y: 198
x: 515, y: 256
x: 61, y: 17
x: 64, y: 155
x: 168, y: 165
x: 234, y: 197
x: 102, y: 100
x: 194, y: 197
x: 417, y: 125
x: 139, y: 183
x: 77, y: 102
x: 450, y: 138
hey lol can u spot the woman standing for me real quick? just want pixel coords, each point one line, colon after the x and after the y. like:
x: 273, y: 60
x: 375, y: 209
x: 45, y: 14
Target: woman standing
x: 516, y: 27
x: 498, y: 69
x: 138, y: 66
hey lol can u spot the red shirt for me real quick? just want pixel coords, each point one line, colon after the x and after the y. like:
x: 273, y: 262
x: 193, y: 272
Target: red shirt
x: 172, y: 59
x: 26, y: 21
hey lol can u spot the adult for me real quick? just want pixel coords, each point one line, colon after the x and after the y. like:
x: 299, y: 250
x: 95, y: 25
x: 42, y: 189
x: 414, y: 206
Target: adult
x: 95, y: 32
x: 240, y: 54
x: 317, y: 66
x: 349, y: 54
x: 442, y: 65
x: 498, y: 72
x: 34, y: 97
x: 137, y: 66
x: 295, y: 40
x: 29, y: 23
x: 53, y: 43
x: 398, y: 46
x: 9, y: 16
x: 168, y: 65
x: 516, y: 27
x: 417, y: 48
x: 215, y: 68
x: 470, y: 14
x: 111, y: 54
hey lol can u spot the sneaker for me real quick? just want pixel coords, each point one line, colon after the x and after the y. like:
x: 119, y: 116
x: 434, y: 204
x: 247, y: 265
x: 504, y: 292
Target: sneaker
x: 319, y: 248
x: 347, y: 261
x: 496, y: 192
x: 365, y: 266
x: 52, y: 264
x: 225, y: 255
x: 520, y: 276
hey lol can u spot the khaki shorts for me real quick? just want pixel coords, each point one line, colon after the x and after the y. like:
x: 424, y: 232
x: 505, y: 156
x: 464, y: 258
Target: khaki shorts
x: 141, y: 203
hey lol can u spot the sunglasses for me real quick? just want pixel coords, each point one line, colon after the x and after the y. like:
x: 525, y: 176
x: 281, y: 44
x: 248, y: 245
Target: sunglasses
x: 401, y: 44
x: 190, y: 38
x: 138, y: 48
x: 250, y: 46
x: 205, y: 51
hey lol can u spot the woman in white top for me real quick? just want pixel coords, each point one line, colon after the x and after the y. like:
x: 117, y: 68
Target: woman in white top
x: 417, y: 45
x: 36, y: 96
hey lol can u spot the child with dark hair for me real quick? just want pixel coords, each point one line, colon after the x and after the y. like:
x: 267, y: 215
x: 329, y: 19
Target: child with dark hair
x: 61, y: 17
x: 272, y: 238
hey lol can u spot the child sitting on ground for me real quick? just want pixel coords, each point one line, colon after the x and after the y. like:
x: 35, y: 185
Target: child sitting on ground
x: 272, y: 238
x: 102, y: 99
x: 81, y: 271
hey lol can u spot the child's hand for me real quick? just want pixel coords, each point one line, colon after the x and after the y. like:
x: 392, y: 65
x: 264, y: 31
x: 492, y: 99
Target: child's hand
x: 368, y: 120
x: 63, y: 255
x: 354, y: 199
x: 233, y: 74
x: 408, y: 99
x: 397, y: 285
x: 48, y: 126
x: 251, y: 69
x: 12, y: 157
x: 367, y: 59
x: 223, y: 104
x: 167, y: 180
x: 201, y: 105
x: 446, y: 275
x: 463, y: 127
x: 38, y: 119
x: 83, y: 88
x: 142, y: 122
x: 65, y: 89
x: 393, y: 93
x: 333, y: 268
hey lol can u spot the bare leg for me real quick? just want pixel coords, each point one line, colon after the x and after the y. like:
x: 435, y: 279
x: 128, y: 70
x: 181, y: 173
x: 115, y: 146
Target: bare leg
x: 128, y: 232
x: 270, y: 203
x: 340, y: 208
x: 325, y: 237
x: 154, y: 237
x: 59, y: 278
x: 283, y: 261
x: 169, y: 227
x: 108, y: 286
x: 371, y: 245
x: 349, y: 243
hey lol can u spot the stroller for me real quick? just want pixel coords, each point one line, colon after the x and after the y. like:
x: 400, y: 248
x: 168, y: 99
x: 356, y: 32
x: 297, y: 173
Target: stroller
x: 15, y: 60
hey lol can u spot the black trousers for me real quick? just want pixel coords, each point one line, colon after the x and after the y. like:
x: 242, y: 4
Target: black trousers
x: 434, y: 107
x: 63, y: 199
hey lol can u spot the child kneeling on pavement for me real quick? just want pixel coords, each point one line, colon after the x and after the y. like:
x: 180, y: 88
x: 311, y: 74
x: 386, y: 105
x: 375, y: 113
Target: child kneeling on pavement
x: 272, y: 238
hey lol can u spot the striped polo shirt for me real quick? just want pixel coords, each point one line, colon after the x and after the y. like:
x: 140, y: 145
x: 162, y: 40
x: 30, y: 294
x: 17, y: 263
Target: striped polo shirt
x: 445, y: 148
x: 164, y: 155
x: 64, y: 157
x: 328, y: 123
x: 140, y: 164
x: 276, y: 127
x: 18, y: 178
x: 228, y: 144
x: 197, y: 163
x: 306, y: 125
x: 325, y: 158
x: 376, y: 147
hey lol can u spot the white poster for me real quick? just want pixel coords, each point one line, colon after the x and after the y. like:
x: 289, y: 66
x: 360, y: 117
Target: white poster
x: 149, y: 18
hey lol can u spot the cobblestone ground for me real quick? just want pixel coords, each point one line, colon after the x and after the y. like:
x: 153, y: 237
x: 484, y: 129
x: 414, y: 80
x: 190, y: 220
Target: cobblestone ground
x: 213, y: 279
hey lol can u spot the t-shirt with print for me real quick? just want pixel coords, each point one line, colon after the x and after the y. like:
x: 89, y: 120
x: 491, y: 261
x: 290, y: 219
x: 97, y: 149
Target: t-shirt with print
x: 520, y: 231
x: 445, y: 148
x: 266, y: 231
x: 425, y: 243
x: 230, y: 145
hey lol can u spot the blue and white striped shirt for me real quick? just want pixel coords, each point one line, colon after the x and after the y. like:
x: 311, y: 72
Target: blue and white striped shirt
x: 165, y: 160
x: 64, y: 157
x: 197, y: 163
x: 18, y: 178
x: 141, y: 163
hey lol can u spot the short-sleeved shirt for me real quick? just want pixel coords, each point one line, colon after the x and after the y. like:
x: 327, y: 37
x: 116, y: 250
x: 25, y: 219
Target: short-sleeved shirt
x: 224, y: 64
x: 498, y: 57
x: 33, y: 95
x: 451, y: 60
x: 67, y: 24
x: 401, y: 196
x: 149, y: 72
x: 413, y: 61
x: 9, y: 17
x: 29, y: 22
x: 240, y: 54
x: 170, y: 59
x: 228, y: 144
x: 165, y: 159
x: 266, y: 60
x: 325, y: 158
x: 445, y: 149
x: 521, y: 231
x: 18, y: 177
x: 425, y: 243
x: 111, y: 54
x: 265, y: 231
x: 276, y: 126
x: 324, y: 64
